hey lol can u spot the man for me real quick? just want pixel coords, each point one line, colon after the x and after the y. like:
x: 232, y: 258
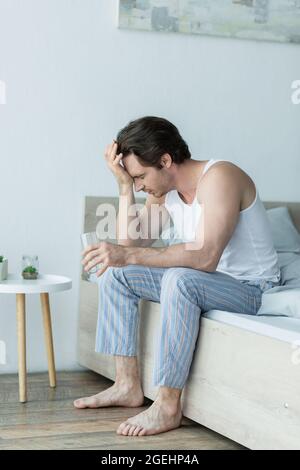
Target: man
x: 225, y: 260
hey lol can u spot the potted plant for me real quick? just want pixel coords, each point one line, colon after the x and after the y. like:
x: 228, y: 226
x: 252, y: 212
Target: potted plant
x: 30, y: 273
x: 30, y: 267
x: 3, y: 268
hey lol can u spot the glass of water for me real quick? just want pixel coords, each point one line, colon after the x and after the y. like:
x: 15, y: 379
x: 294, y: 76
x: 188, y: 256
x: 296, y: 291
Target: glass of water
x: 90, y: 238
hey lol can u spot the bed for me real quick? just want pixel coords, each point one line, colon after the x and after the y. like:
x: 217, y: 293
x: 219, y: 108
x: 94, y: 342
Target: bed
x: 244, y: 381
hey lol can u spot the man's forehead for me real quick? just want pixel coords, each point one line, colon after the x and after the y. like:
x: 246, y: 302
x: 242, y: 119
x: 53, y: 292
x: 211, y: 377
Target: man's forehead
x: 132, y: 165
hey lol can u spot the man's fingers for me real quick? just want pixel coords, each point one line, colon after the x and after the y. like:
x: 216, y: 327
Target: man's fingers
x: 117, y: 159
x: 111, y: 154
x: 113, y: 151
x: 109, y: 149
x: 90, y: 248
x: 102, y: 270
x: 92, y: 263
x: 90, y: 256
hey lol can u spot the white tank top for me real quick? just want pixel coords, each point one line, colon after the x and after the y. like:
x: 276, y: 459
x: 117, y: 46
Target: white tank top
x: 249, y: 254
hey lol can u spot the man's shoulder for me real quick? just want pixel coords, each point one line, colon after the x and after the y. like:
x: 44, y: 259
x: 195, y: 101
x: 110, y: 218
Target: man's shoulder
x: 220, y: 171
x: 226, y: 174
x: 223, y: 166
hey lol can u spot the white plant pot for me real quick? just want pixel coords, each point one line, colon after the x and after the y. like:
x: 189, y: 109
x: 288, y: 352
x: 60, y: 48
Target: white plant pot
x: 3, y: 269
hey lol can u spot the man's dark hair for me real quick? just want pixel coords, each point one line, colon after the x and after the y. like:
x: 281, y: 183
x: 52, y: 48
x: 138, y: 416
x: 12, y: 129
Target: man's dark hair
x: 149, y: 138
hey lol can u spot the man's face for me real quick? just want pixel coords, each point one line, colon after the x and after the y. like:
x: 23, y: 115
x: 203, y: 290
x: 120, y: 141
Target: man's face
x: 147, y: 178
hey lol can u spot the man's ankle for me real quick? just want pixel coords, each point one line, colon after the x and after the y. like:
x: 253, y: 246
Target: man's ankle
x: 169, y: 398
x: 128, y: 382
x: 171, y: 406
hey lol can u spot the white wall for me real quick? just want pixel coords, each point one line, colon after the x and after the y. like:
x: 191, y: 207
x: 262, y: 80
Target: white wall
x: 73, y: 79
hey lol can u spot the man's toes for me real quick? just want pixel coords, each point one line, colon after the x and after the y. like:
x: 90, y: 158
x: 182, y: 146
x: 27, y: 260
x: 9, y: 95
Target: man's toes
x: 121, y: 428
x: 137, y: 430
x: 142, y: 432
x: 126, y: 429
x: 78, y: 403
x: 132, y: 429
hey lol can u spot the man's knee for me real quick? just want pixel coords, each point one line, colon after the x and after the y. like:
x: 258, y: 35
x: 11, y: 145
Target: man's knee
x: 173, y: 278
x: 109, y: 276
x: 183, y: 279
x: 114, y: 275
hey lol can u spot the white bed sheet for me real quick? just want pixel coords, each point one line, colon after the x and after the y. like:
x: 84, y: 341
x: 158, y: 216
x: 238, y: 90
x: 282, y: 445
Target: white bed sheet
x: 283, y: 328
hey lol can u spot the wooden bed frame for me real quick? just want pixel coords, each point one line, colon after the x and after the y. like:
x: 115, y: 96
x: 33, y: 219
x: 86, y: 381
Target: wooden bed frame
x: 242, y: 385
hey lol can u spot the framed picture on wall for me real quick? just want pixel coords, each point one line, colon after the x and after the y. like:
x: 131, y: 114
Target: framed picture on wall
x: 269, y: 20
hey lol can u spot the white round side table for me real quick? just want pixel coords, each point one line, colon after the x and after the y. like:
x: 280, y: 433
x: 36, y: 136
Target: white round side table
x: 43, y: 285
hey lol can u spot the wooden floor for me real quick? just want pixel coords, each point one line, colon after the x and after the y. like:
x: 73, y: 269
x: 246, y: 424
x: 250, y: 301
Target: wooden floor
x: 49, y: 421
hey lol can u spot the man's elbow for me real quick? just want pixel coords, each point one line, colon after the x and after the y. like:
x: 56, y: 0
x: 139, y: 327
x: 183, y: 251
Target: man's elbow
x: 211, y: 268
x: 208, y: 265
x: 208, y: 268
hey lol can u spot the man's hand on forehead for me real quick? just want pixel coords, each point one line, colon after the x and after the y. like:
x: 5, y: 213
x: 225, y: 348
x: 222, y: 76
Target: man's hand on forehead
x: 116, y: 166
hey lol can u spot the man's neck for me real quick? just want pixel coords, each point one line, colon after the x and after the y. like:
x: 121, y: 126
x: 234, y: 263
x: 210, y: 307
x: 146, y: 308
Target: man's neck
x: 187, y: 178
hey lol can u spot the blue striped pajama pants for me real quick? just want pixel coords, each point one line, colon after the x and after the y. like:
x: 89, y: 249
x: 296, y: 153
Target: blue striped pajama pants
x: 183, y: 294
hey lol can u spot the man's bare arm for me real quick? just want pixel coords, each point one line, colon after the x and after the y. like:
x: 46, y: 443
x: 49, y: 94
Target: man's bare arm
x: 125, y: 217
x: 126, y: 196
x: 220, y: 197
x: 140, y: 228
x: 171, y: 256
x: 220, y: 194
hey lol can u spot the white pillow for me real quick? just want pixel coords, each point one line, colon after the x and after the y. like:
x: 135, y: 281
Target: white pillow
x: 290, y: 269
x: 281, y: 301
x: 284, y: 300
x: 286, y: 237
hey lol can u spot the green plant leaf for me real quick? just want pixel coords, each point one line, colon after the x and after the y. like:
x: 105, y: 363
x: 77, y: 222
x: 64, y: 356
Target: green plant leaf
x: 29, y: 269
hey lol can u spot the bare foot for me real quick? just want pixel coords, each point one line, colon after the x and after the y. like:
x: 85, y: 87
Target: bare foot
x: 117, y: 395
x: 156, y: 419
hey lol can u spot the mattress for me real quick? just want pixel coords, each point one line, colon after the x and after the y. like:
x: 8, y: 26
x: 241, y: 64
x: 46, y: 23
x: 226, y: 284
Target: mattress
x: 280, y: 327
x: 283, y: 328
